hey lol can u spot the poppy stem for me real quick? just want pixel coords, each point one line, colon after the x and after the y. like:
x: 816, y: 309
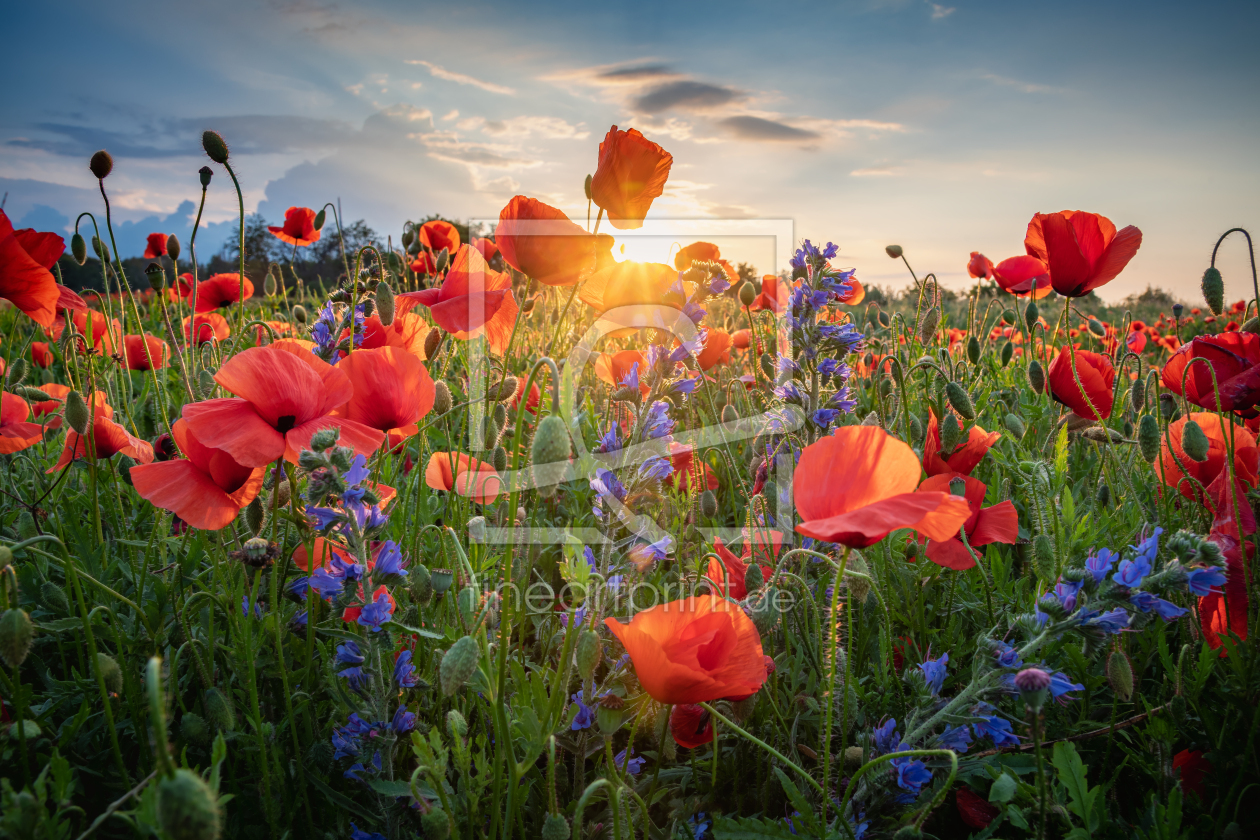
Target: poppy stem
x: 240, y: 301
x: 754, y: 739
x: 833, y: 648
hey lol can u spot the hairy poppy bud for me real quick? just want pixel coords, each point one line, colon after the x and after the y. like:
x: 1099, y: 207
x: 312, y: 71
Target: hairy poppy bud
x: 489, y: 432
x: 708, y: 504
x: 205, y: 173
x: 1014, y: 425
x: 219, y: 711
x: 1194, y: 441
x: 871, y: 419
x: 16, y: 633
x: 31, y: 394
x: 432, y: 342
x: 854, y: 757
x: 767, y: 365
x: 98, y: 248
x: 193, y: 729
x: 1043, y: 557
x: 1214, y: 290
x: 319, y: 218
x: 556, y: 827
x: 420, y: 584
x: 893, y: 251
x: 156, y: 276
x: 255, y: 515
x: 754, y: 577
x: 1096, y: 327
x: 1148, y: 437
x: 54, y: 597
x: 1138, y: 394
x: 761, y: 609
x: 458, y: 665
x: 1009, y: 316
x: 442, y: 260
x: 215, y: 147
x: 385, y: 303
x: 77, y: 414
x: 1036, y: 376
x: 206, y: 383
x: 1103, y: 497
x: 499, y: 459
x: 589, y: 652
x: 885, y: 387
x: 469, y: 599
x: 951, y: 433
x: 747, y: 293
x: 172, y: 247
x: 1031, y: 314
x: 1252, y: 325
x: 110, y: 673
x: 1008, y: 351
x: 973, y: 349
x: 441, y: 397
x: 528, y: 306
x: 101, y: 164
x: 916, y: 429
x: 299, y: 314
x: 1120, y: 675
x: 78, y: 248
x: 884, y: 320
x: 960, y: 400
x: 587, y: 187
x: 17, y: 372
x: 550, y: 446
x: 436, y: 825
x: 125, y: 463
x: 1168, y: 407
x: 729, y: 414
x: 927, y: 326
x: 187, y: 809
x: 859, y: 588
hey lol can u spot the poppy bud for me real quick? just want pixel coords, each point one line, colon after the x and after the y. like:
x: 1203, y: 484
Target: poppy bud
x: 172, y: 247
x: 1096, y: 327
x: 319, y: 218
x: 747, y: 293
x: 1128, y: 428
x: 101, y: 164
x: 156, y: 276
x: 193, y: 729
x: 871, y: 419
x: 443, y: 259
x: 1031, y: 314
x: 436, y: 825
x: 78, y: 248
x: 16, y: 632
x: 110, y: 673
x: 125, y: 463
x: 187, y: 809
x: 368, y: 307
x: 206, y: 383
x: 859, y: 588
x: 98, y: 248
x: 77, y: 414
x: 1008, y: 351
x: 219, y: 711
x: 854, y: 757
x: 385, y: 303
x: 916, y: 429
x: 441, y: 397
x: 6, y: 556
x: 884, y: 320
x: 469, y: 599
x: 408, y: 236
x: 1120, y: 675
x: 893, y: 251
x: 556, y: 827
x: 589, y: 652
x: 215, y: 147
x: 885, y: 387
x: 973, y: 349
x: 432, y: 342
x: 1214, y: 290
x: 205, y: 173
x: 528, y: 306
x: 1009, y: 316
x: 54, y: 597
x: 420, y: 584
x: 729, y: 414
x: 587, y: 187
x: 17, y: 372
x: 32, y: 394
x: 1036, y: 376
x: 255, y: 515
x: 489, y: 432
x: 708, y: 504
x: 1252, y: 325
x: 761, y: 609
x: 1043, y: 558
x: 458, y: 665
x: 1104, y: 495
x: 550, y: 446
x: 1148, y: 437
x: 1138, y: 394
x: 950, y: 434
x: 754, y: 577
x: 767, y: 365
x: 1168, y: 407
x: 1194, y: 441
x: 1014, y: 425
x: 960, y: 400
x: 1233, y: 831
x: 927, y: 326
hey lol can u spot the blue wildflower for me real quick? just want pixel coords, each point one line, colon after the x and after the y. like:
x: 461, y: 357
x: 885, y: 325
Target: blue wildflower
x: 657, y: 423
x: 912, y: 775
x: 644, y: 555
x: 1148, y: 549
x: 322, y: 517
x: 376, y: 613
x: 1112, y: 621
x: 996, y: 729
x: 585, y: 716
x: 358, y: 834
x: 1060, y: 685
x: 1100, y: 564
x: 1007, y: 656
x: 358, y: 767
x: 1147, y: 601
x: 656, y: 468
x: 258, y: 610
x: 824, y: 417
x: 1066, y: 591
x: 1202, y: 582
x: 788, y: 392
x: 934, y: 672
x: 404, y: 671
x: 389, y: 562
x: 886, y: 738
x: 699, y: 825
x: 631, y: 379
x: 956, y: 738
x: 633, y: 766
x: 719, y: 284
x: 403, y: 722
x: 1131, y: 572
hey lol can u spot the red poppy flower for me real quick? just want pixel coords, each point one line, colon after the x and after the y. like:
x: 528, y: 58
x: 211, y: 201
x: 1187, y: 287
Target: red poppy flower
x: 392, y: 390
x: 728, y: 575
x: 857, y: 485
x: 979, y: 266
x: 424, y: 263
x: 145, y: 352
x: 57, y: 392
x: 696, y: 252
x: 998, y: 523
x: 975, y: 812
x: 407, y: 332
x: 221, y: 290
x: 473, y: 300
x: 1082, y: 250
x: 963, y: 459
x: 16, y: 432
x: 614, y: 368
x: 206, y: 488
x: 717, y: 349
x: 1193, y: 767
x: 856, y: 293
x: 25, y: 281
x: 694, y: 650
x: 630, y: 283
x: 156, y: 246
x: 1135, y: 341
x: 108, y: 438
x: 97, y: 330
x: 631, y: 173
x: 689, y: 470
x: 463, y: 474
x: 210, y: 326
x: 1018, y: 275
x: 542, y: 243
x: 486, y: 246
x: 1170, y: 468
x: 437, y: 235
x: 41, y: 355
x: 531, y: 404
x: 298, y: 228
x: 283, y: 397
x: 1091, y: 399
x: 1224, y: 612
x: 741, y: 339
x: 774, y: 296
x: 691, y: 725
x: 1231, y: 359
x: 324, y: 552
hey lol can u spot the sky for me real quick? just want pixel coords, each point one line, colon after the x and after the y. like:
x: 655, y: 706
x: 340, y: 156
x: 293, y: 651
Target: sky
x: 942, y: 127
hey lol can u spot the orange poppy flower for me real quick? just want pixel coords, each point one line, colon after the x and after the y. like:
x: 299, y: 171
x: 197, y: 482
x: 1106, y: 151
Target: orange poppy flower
x: 631, y: 173
x: 463, y: 474
x: 145, y: 351
x: 1135, y: 341
x: 741, y: 339
x: 630, y: 283
x: 221, y: 290
x: 614, y: 368
x: 486, y: 246
x: 437, y: 234
x: 298, y: 228
x: 998, y: 523
x: 696, y: 252
x: 210, y: 326
x: 1096, y: 376
x: 1081, y: 250
x: 1018, y: 275
x: 728, y: 575
x: 1225, y: 612
x: 25, y: 280
x: 542, y: 243
x: 16, y: 431
x: 856, y: 293
x: 206, y: 488
x: 407, y: 331
x: 424, y: 263
x: 1170, y: 468
x: 51, y: 406
x: 41, y: 355
x: 717, y: 349
x: 531, y: 404
x: 691, y: 725
x: 1231, y: 359
x: 694, y: 650
x: 392, y: 390
x: 283, y: 397
x: 979, y: 266
x: 688, y: 470
x: 857, y: 485
x: 108, y: 438
x: 156, y: 246
x: 964, y: 459
x: 775, y: 294
x: 473, y: 300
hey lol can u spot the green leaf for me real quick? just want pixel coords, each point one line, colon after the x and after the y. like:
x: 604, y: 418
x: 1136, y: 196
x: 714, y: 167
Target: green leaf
x: 799, y: 802
x: 1085, y: 801
x: 391, y: 788
x: 749, y: 828
x: 1061, y: 452
x: 415, y: 631
x: 340, y: 800
x: 61, y: 625
x: 1003, y: 789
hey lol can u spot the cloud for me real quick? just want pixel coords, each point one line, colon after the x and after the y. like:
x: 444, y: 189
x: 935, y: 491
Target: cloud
x: 550, y: 128
x: 1024, y: 87
x: 939, y: 12
x: 459, y: 78
x: 757, y: 129
x: 685, y: 95
x: 878, y: 172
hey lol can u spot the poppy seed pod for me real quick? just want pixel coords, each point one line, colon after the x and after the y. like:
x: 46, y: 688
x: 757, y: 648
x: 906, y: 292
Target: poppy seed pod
x: 960, y: 400
x: 973, y: 349
x: 458, y: 665
x: 441, y: 398
x: 1148, y: 437
x: 101, y: 164
x: 1037, y: 376
x: 556, y: 827
x: 187, y: 808
x: 1120, y: 675
x: 1096, y: 327
x: 156, y: 276
x: 172, y: 247
x: 219, y: 711
x: 78, y: 248
x: 1214, y: 290
x: 205, y: 173
x: 747, y: 293
x: 1194, y: 441
x: 589, y: 652
x: 893, y: 251
x: 215, y: 147
x: 1008, y: 352
x: 77, y: 414
x: 16, y: 633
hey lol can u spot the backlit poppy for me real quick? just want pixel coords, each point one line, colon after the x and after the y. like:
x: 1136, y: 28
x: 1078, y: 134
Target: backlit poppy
x: 615, y: 368
x: 689, y: 470
x: 1224, y: 612
x: 542, y: 243
x: 998, y: 523
x: 392, y: 389
x: 1081, y: 250
x: 206, y: 488
x: 407, y: 331
x: 728, y: 575
x: 741, y: 339
x: 98, y: 331
x: 694, y: 650
x: 456, y: 472
x: 1172, y: 470
x: 963, y: 459
x: 775, y: 293
x: 424, y: 263
x: 24, y: 280
x: 691, y: 725
x: 1019, y: 275
x: 856, y: 486
x: 531, y: 404
x: 437, y: 235
x: 108, y: 439
x: 1092, y: 398
x: 696, y: 252
x: 145, y: 352
x: 298, y: 228
x: 221, y: 290
x: 41, y: 355
x: 283, y: 397
x: 473, y: 300
x: 156, y: 246
x: 979, y: 266
x: 717, y: 349
x: 1135, y: 341
x: 631, y: 173
x: 16, y: 431
x: 856, y: 293
x: 210, y: 326
x: 486, y: 246
x: 1231, y: 359
x: 630, y: 283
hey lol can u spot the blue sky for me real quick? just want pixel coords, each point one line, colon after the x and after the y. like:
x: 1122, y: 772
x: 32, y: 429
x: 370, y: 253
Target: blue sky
x: 940, y: 126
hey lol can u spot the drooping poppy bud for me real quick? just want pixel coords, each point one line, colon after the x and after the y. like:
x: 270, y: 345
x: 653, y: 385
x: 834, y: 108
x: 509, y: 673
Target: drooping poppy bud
x: 319, y: 219
x: 77, y: 414
x: 1031, y: 314
x: 747, y: 293
x: 16, y: 633
x: 1214, y: 290
x: 550, y: 450
x: 1194, y: 442
x: 960, y: 400
x: 893, y: 251
x: 441, y: 397
x: 215, y: 147
x: 1008, y: 352
x: 973, y: 349
x: 78, y: 248
x: 219, y: 711
x: 950, y: 434
x: 1014, y: 425
x: 1096, y: 327
x: 1036, y: 376
x: 186, y: 806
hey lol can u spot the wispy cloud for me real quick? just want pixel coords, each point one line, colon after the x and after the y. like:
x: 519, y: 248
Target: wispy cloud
x: 460, y: 78
x: 878, y: 172
x: 939, y: 12
x: 1024, y: 87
